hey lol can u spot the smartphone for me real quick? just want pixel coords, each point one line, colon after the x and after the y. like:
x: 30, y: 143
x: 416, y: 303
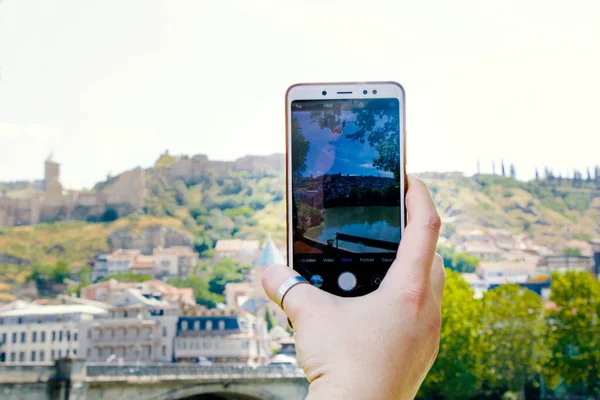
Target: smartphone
x: 346, y: 182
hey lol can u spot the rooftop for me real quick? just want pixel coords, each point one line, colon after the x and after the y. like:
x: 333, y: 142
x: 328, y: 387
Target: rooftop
x: 177, y: 250
x: 507, y: 265
x: 269, y: 255
x: 60, y: 309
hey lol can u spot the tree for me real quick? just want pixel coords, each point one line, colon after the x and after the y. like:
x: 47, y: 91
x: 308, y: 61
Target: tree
x: 201, y: 292
x: 573, y: 333
x: 378, y: 128
x: 458, y: 261
x: 85, y: 274
x: 537, y: 174
x: 513, y: 327
x: 198, y: 210
x: 225, y: 271
x: 571, y: 251
x: 181, y: 192
x: 465, y: 263
x: 127, y: 277
x: 457, y: 371
x: 589, y: 175
x: 513, y: 171
x: 502, y: 167
x: 109, y: 215
x: 300, y: 147
x: 61, y: 272
x: 269, y: 319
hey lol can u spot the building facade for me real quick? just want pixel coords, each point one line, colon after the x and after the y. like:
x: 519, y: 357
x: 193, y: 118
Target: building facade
x: 137, y: 328
x: 34, y: 333
x: 223, y: 339
x: 243, y: 251
x: 175, y: 261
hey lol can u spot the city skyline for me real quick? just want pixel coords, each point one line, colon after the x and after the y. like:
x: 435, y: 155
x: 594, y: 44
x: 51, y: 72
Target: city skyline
x: 482, y: 80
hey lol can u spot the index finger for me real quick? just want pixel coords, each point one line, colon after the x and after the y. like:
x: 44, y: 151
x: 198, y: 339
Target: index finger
x: 419, y: 241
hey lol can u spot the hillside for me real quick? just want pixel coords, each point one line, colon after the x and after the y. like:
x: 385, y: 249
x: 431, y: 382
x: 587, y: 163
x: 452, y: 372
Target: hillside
x: 548, y: 211
x: 245, y: 199
x: 211, y: 200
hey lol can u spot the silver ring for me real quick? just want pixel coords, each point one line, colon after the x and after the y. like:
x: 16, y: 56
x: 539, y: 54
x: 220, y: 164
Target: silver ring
x: 286, y: 286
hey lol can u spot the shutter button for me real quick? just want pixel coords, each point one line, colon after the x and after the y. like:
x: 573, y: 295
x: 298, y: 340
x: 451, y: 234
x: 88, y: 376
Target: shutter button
x: 347, y: 281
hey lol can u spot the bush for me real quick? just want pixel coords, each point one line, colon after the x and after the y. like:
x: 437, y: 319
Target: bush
x: 109, y: 215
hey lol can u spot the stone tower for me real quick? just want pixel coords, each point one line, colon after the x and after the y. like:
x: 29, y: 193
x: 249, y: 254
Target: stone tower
x: 52, y: 185
x: 52, y: 173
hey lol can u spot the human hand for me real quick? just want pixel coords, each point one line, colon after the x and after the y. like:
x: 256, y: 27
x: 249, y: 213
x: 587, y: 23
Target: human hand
x: 378, y: 346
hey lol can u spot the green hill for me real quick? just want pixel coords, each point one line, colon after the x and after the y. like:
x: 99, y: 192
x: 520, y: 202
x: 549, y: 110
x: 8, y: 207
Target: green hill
x: 547, y: 210
x: 245, y: 199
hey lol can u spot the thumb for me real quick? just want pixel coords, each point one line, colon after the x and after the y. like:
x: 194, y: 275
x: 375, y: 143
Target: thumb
x: 302, y: 299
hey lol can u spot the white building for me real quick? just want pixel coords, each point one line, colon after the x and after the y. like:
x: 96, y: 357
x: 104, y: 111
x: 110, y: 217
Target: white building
x: 222, y: 339
x: 175, y: 261
x: 506, y: 271
x: 119, y: 261
x: 35, y: 333
x: 138, y: 327
x: 243, y: 251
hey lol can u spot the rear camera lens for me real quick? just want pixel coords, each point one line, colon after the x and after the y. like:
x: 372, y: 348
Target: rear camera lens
x: 365, y: 92
x: 374, y: 91
x: 324, y: 92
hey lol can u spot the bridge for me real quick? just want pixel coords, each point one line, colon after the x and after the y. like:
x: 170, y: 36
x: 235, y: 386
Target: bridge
x: 70, y: 379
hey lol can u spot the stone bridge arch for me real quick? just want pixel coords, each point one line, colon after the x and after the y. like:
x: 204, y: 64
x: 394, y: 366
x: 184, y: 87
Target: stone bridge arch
x: 223, y: 392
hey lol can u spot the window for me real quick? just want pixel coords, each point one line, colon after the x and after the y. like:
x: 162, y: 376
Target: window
x: 21, y: 356
x: 60, y: 336
x: 23, y: 337
x: 42, y: 356
x: 20, y: 320
x: 89, y: 333
x: 164, y: 350
x: 13, y: 357
x: 59, y: 353
x: 4, y: 338
x: 54, y: 336
x: 197, y: 325
x: 68, y: 336
x: 221, y: 325
x: 75, y: 336
x: 89, y: 353
x: 14, y: 337
x: 33, y: 337
x: 52, y: 356
x: 164, y: 331
x: 184, y: 325
x: 208, y: 325
x: 43, y: 337
x: 33, y: 355
x: 75, y: 351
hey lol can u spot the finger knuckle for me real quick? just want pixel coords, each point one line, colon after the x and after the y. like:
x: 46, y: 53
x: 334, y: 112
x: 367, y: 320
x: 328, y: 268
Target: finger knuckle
x: 416, y: 296
x: 434, y: 223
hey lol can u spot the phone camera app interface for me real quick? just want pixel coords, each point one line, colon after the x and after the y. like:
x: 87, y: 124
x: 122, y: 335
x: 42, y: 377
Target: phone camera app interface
x: 345, y: 166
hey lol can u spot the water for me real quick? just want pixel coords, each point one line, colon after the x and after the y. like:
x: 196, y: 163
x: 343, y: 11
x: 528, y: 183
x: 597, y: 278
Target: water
x: 375, y: 222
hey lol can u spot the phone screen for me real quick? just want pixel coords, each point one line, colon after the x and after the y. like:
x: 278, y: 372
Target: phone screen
x: 346, y: 185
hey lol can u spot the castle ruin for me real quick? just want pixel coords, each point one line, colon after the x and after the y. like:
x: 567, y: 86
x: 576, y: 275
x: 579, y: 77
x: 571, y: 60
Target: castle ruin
x: 51, y: 202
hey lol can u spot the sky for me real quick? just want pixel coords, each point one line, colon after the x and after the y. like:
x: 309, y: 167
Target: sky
x: 334, y: 153
x: 108, y: 86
